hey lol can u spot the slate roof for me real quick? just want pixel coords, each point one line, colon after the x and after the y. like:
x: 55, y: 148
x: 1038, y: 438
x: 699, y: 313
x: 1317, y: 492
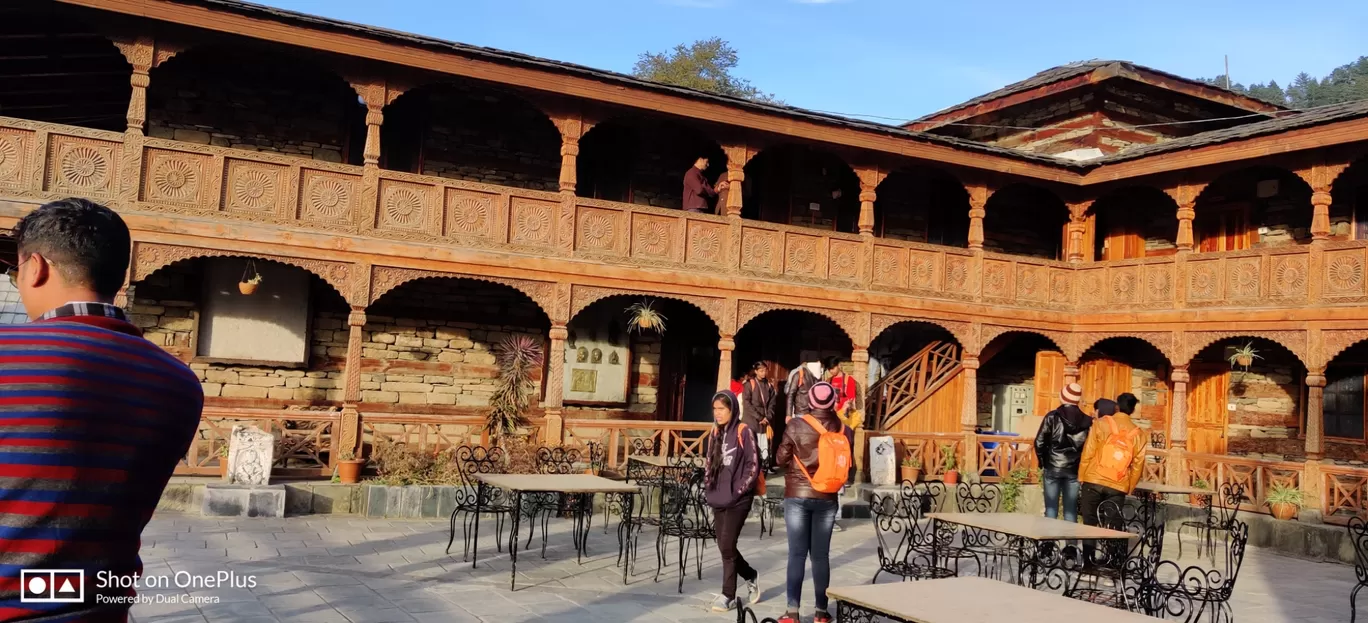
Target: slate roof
x: 1064, y: 72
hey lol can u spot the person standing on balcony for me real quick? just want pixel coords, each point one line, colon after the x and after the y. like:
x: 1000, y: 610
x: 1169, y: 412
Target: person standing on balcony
x: 816, y: 457
x: 758, y: 397
x: 731, y: 480
x: 95, y: 417
x: 697, y: 190
x: 1059, y: 448
x: 1113, y: 460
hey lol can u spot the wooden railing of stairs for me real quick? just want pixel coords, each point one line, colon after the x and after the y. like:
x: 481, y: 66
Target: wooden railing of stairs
x: 910, y: 384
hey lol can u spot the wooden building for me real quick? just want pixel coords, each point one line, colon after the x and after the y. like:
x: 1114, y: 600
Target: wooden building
x: 410, y: 202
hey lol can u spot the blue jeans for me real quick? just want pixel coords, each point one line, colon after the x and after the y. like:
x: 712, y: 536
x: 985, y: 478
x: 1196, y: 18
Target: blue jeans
x: 808, y: 523
x: 1056, y: 484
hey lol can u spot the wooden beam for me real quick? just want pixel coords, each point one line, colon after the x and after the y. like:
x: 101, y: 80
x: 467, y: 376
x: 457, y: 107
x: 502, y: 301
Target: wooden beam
x: 564, y: 83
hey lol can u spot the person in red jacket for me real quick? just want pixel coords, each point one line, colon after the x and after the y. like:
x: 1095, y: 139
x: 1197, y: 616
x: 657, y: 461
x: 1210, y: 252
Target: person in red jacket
x: 846, y: 389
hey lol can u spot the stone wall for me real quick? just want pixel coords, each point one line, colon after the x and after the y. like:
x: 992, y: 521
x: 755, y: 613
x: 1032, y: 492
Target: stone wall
x: 473, y: 135
x: 218, y: 97
x: 1267, y: 415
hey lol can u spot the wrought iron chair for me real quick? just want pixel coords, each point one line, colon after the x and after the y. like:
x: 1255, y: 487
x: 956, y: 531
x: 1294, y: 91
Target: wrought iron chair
x: 1220, y: 517
x: 995, y: 549
x: 900, y: 537
x: 917, y: 500
x: 1358, y: 533
x: 746, y: 615
x: 555, y: 460
x: 769, y: 505
x: 684, y: 516
x: 1126, y: 566
x: 470, y: 461
x: 1196, y: 594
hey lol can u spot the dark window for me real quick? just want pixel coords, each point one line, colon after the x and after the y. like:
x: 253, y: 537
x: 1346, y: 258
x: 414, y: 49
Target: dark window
x: 1344, y: 403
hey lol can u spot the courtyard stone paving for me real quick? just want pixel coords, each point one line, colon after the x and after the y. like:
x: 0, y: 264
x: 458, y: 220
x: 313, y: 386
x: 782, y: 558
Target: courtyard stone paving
x: 343, y: 569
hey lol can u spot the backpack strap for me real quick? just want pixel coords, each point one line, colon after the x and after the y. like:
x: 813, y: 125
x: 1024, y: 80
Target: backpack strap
x: 821, y: 430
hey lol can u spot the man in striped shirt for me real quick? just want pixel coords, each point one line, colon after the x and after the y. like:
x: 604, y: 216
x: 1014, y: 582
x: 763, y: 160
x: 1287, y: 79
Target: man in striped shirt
x: 93, y: 417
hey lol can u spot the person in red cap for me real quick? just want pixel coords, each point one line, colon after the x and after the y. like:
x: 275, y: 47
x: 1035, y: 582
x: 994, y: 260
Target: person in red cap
x: 812, y: 486
x: 1059, y: 448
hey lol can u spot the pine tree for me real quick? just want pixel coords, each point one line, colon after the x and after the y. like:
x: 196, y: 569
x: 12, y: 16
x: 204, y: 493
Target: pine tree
x: 705, y: 65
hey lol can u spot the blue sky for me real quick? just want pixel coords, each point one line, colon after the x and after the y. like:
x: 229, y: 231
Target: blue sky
x: 894, y: 58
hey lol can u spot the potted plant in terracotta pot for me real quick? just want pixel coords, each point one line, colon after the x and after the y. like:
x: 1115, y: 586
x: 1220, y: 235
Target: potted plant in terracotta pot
x: 251, y: 279
x: 911, y: 469
x: 349, y: 467
x: 643, y: 316
x: 1244, y: 356
x: 1196, y: 499
x: 1284, y: 501
x: 948, y: 459
x: 223, y: 461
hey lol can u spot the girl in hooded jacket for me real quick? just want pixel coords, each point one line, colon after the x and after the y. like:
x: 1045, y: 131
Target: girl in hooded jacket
x: 733, y: 467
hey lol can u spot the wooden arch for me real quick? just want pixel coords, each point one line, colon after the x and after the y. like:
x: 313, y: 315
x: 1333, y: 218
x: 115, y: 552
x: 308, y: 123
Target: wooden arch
x: 150, y: 257
x: 880, y: 323
x: 581, y: 297
x: 854, y: 325
x: 1160, y: 340
x: 387, y: 278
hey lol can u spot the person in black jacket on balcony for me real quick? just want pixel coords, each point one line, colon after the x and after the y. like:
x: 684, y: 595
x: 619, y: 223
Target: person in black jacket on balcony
x: 1059, y: 449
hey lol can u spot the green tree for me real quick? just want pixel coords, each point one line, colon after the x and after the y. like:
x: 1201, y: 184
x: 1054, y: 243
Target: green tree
x: 705, y: 65
x: 1346, y: 83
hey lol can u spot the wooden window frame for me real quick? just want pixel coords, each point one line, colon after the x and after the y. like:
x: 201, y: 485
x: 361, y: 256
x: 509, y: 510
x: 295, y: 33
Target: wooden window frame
x: 1363, y: 440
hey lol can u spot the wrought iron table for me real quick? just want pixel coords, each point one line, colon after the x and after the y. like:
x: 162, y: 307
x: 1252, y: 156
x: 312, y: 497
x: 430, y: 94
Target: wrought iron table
x: 966, y: 600
x: 519, y: 484
x: 1027, y: 533
x: 1151, y: 492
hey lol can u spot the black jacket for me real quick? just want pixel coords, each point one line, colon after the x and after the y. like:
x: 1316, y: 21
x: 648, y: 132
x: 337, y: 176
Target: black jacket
x: 1059, y: 443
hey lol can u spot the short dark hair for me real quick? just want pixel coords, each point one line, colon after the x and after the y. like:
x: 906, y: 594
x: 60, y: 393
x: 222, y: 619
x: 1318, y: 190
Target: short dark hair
x: 86, y: 242
x: 1126, y: 403
x: 758, y: 365
x: 832, y: 361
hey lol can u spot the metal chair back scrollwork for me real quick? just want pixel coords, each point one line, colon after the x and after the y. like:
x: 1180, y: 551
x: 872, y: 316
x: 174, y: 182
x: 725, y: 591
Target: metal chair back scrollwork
x: 1196, y: 594
x: 1358, y: 534
x: 1115, y: 575
x: 557, y: 460
x: 1220, y: 518
x: 644, y: 446
x: 996, y: 550
x: 745, y: 615
x: 935, y: 538
x: 684, y: 517
x: 470, y: 495
x: 903, y: 541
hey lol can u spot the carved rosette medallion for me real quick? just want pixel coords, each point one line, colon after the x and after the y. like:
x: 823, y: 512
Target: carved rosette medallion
x: 253, y: 188
x: 1289, y: 276
x: 1123, y: 286
x: 957, y: 274
x: 802, y: 255
x: 994, y: 279
x: 1243, y: 278
x: 326, y: 198
x: 652, y: 238
x: 1061, y: 289
x: 10, y: 154
x: 1344, y: 274
x: 402, y: 207
x: 174, y: 178
x: 1158, y: 284
x: 1203, y: 282
x: 888, y: 264
x: 705, y: 243
x: 1029, y: 283
x: 921, y: 273
x: 758, y: 251
x: 845, y: 259
x: 470, y: 214
x: 596, y: 231
x: 83, y: 166
x: 532, y: 222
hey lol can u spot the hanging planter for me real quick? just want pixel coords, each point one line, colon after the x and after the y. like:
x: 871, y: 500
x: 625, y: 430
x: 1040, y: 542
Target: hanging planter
x: 644, y: 317
x: 250, y: 279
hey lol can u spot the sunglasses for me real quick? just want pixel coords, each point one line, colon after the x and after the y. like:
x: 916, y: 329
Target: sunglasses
x: 12, y: 270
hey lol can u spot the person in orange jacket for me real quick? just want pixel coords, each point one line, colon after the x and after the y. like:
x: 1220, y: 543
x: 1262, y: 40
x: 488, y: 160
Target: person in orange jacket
x: 1113, y: 460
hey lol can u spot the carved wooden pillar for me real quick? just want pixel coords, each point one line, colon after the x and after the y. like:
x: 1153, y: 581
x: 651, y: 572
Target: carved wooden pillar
x: 1315, y: 415
x: 571, y: 130
x: 969, y: 408
x: 351, y: 382
x: 1320, y: 216
x: 724, y: 363
x: 555, y: 384
x: 859, y: 363
x: 1177, y: 433
x: 1078, y: 224
x: 1185, y: 195
x: 978, y: 198
x: 376, y: 94
x: 142, y: 54
x: 737, y: 158
x: 1321, y: 178
x: 870, y: 178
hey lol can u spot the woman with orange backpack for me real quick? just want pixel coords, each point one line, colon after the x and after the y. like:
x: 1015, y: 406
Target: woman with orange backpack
x: 1113, y: 460
x: 731, y: 481
x: 816, y: 457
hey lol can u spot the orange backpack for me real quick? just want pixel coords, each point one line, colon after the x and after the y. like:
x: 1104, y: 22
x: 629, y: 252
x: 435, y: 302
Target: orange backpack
x: 1114, y: 461
x: 760, y: 474
x: 833, y: 458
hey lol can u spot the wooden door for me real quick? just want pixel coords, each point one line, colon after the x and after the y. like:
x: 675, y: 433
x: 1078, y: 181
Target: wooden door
x: 1102, y: 378
x: 1208, y: 396
x: 1049, y: 381
x: 1226, y: 228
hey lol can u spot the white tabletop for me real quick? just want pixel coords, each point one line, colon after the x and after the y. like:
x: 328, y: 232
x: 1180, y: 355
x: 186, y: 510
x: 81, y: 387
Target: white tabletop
x: 1159, y: 487
x: 1031, y: 527
x: 560, y: 483
x: 976, y: 600
x: 665, y: 461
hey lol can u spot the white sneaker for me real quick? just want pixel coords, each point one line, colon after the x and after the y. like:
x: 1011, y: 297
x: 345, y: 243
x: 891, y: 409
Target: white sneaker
x: 752, y: 587
x: 722, y: 604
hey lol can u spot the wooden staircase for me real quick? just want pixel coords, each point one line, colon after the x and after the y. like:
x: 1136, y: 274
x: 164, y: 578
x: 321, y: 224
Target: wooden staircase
x: 908, y: 386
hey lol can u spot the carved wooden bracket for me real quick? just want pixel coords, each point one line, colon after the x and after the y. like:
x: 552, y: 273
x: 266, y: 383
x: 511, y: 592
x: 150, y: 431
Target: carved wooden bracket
x: 1321, y: 176
x: 961, y: 331
x: 387, y: 278
x: 1186, y: 194
x: 1197, y: 341
x: 854, y: 324
x: 991, y: 332
x: 1163, y: 341
x: 582, y: 297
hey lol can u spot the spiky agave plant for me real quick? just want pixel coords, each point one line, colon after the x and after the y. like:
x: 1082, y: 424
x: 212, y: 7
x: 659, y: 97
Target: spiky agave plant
x: 518, y: 357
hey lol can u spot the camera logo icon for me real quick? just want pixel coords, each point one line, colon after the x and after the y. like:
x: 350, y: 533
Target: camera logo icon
x: 52, y: 586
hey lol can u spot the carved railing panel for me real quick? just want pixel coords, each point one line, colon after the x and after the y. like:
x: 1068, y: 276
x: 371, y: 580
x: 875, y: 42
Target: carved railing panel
x: 929, y: 448
x: 1344, y: 492
x: 1007, y: 452
x: 304, y: 440
x: 1256, y: 476
x: 1156, y: 465
x: 619, y: 438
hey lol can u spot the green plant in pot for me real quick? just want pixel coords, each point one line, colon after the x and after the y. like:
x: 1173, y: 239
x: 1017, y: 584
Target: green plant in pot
x: 643, y: 316
x: 349, y: 467
x: 951, y: 476
x: 911, y: 469
x: 1244, y: 356
x: 223, y: 461
x: 1284, y: 501
x: 1011, y: 488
